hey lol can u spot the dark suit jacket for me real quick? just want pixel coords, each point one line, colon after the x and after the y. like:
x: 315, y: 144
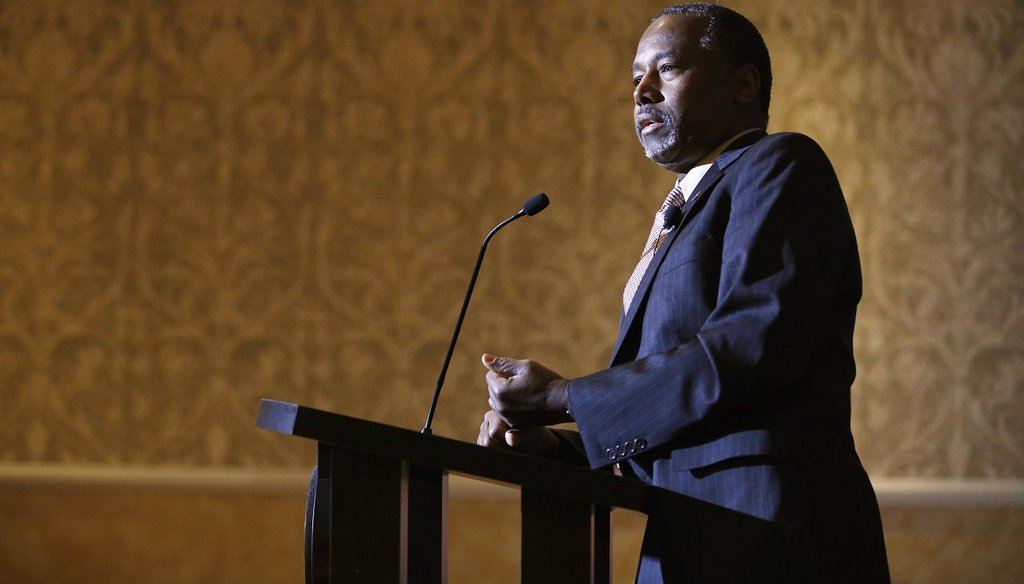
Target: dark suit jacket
x: 730, y: 380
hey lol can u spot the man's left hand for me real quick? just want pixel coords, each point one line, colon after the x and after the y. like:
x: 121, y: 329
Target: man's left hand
x: 525, y: 393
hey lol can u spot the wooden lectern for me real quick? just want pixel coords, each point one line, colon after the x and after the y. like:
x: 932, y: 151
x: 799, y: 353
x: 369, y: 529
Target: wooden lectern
x: 379, y: 502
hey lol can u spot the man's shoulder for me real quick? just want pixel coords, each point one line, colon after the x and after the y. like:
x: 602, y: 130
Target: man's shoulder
x: 783, y: 149
x: 789, y: 144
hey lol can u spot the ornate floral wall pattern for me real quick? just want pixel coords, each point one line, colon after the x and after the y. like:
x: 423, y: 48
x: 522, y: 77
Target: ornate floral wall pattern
x: 205, y: 203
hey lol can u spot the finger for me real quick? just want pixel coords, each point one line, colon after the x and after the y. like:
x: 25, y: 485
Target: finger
x: 495, y: 379
x: 534, y: 440
x: 496, y: 387
x: 491, y: 431
x: 501, y: 366
x: 498, y: 412
x: 517, y: 438
x: 488, y: 360
x: 484, y: 438
x: 496, y: 426
x: 497, y: 432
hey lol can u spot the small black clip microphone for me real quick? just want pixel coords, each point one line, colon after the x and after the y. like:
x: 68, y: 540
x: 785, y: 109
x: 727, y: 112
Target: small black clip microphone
x: 673, y: 217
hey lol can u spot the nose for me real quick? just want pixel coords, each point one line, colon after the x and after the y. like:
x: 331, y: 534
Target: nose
x: 647, y: 91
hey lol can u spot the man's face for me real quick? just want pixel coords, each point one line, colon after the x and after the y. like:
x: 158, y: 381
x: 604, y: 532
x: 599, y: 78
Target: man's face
x: 685, y: 101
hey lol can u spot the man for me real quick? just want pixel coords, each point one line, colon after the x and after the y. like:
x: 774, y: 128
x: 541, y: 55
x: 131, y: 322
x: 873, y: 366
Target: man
x: 730, y: 380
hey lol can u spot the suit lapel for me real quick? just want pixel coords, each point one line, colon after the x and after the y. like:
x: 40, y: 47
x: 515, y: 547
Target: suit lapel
x: 692, y: 207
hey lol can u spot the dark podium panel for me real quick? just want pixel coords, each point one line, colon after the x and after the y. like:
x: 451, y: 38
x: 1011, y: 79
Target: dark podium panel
x: 379, y: 502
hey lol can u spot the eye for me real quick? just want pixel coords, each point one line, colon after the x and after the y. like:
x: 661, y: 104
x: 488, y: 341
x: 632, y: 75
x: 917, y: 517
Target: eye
x: 636, y: 80
x: 665, y: 68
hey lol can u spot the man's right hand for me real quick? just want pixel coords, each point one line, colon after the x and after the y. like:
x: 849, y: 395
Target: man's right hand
x: 496, y: 433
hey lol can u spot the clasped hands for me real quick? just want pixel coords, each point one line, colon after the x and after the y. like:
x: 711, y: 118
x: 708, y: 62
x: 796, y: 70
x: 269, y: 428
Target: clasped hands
x: 525, y: 397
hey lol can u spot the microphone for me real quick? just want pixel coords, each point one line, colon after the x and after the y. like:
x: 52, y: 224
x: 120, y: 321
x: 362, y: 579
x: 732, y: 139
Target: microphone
x: 531, y: 207
x: 673, y: 217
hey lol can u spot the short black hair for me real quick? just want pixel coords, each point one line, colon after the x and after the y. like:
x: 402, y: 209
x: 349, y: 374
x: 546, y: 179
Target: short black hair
x: 732, y: 38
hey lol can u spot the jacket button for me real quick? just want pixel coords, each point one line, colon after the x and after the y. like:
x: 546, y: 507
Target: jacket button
x: 640, y: 443
x: 610, y: 453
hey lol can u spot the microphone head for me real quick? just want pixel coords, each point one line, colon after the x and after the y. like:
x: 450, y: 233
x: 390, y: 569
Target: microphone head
x: 673, y: 216
x: 536, y: 204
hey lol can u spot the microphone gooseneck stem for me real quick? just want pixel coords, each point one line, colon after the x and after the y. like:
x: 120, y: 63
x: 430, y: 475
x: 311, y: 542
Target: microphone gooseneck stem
x: 462, y: 316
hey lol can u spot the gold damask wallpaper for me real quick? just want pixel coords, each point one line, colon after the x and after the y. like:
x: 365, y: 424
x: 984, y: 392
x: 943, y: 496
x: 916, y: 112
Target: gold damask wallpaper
x: 207, y: 202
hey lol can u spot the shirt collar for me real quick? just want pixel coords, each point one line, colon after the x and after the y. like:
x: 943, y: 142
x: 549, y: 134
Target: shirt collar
x: 688, y: 181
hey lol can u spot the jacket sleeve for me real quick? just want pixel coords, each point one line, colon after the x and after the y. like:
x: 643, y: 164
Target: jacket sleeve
x: 786, y: 285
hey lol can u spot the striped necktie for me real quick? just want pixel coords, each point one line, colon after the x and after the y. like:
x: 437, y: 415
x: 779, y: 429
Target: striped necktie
x: 654, y: 241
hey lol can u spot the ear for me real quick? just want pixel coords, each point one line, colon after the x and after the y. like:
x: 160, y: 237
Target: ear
x: 748, y: 83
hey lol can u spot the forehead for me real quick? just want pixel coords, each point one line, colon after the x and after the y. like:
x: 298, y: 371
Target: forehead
x: 672, y: 33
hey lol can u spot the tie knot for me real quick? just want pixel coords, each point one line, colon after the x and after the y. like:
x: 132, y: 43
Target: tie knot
x: 675, y: 198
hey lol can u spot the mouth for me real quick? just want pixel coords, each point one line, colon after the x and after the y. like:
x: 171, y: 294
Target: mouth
x: 648, y: 124
x: 648, y: 121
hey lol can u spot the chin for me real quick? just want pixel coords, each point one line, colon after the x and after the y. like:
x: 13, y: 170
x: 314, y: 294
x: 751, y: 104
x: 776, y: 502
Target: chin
x: 660, y: 154
x: 663, y: 158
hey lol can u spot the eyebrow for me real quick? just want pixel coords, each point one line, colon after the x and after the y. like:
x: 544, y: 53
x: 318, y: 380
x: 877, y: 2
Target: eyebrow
x: 657, y: 57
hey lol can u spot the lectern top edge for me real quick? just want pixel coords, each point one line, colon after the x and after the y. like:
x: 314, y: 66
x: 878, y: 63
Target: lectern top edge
x: 464, y: 458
